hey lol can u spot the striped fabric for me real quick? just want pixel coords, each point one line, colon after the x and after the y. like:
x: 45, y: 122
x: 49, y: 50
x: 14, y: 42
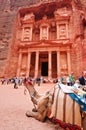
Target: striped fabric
x: 65, y: 108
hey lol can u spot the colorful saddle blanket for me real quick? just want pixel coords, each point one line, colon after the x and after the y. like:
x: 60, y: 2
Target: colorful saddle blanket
x: 80, y: 97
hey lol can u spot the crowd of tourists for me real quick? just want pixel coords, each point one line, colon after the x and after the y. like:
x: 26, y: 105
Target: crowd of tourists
x: 71, y: 81
x: 16, y: 81
x: 68, y: 80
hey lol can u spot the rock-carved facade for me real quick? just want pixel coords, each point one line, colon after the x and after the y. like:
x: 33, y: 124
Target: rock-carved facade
x: 49, y: 40
x: 44, y: 45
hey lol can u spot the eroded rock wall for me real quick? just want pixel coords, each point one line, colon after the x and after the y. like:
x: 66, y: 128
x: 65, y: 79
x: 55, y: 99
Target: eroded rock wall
x: 8, y: 14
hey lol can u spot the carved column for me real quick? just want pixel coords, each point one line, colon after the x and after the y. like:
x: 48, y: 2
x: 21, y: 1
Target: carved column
x: 67, y: 31
x: 36, y: 64
x: 50, y: 65
x: 28, y: 64
x: 19, y: 64
x: 22, y: 38
x: 40, y: 33
x: 31, y: 33
x: 57, y: 31
x: 68, y: 61
x: 47, y: 32
x: 58, y: 64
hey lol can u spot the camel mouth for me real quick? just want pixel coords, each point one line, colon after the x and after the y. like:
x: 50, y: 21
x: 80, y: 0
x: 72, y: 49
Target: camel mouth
x: 27, y: 81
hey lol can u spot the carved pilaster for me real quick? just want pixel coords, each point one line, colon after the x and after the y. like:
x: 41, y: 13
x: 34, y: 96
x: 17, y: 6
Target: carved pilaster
x: 36, y: 64
x: 19, y: 64
x: 58, y: 64
x: 28, y: 64
x: 50, y: 65
x: 69, y: 61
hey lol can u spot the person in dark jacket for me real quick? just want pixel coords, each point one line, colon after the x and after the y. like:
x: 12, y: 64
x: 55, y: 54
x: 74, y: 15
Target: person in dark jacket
x: 82, y: 79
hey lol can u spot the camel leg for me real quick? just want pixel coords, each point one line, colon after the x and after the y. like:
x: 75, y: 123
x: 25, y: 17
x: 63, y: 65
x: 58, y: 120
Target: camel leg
x: 34, y: 109
x: 42, y: 112
x: 43, y: 109
x: 43, y: 116
x: 37, y: 115
x: 31, y: 114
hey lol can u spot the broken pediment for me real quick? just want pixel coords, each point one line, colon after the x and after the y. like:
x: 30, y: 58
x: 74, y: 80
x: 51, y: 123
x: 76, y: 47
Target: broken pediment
x: 44, y: 43
x: 40, y: 44
x: 62, y: 12
x: 29, y: 16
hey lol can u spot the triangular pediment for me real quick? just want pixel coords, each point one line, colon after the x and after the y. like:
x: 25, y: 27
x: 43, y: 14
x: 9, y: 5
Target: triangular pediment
x: 43, y: 43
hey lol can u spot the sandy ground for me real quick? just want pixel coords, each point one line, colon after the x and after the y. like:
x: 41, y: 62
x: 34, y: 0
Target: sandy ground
x: 13, y: 106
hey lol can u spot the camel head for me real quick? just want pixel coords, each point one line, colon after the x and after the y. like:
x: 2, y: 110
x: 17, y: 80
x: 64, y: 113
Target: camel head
x: 27, y: 82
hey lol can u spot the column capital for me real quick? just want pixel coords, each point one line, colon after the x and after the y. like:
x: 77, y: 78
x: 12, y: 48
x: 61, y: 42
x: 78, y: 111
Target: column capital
x: 29, y: 50
x: 37, y: 51
x: 20, y: 51
x: 49, y: 51
x: 58, y: 50
x: 68, y: 49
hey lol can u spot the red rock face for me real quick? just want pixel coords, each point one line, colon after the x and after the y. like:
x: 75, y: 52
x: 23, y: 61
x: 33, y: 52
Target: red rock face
x: 66, y: 15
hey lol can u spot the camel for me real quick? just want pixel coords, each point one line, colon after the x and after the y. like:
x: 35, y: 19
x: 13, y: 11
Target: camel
x: 38, y: 99
x: 55, y: 103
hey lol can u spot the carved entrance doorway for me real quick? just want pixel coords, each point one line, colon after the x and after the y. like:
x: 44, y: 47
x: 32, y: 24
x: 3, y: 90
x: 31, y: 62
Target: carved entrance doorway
x: 44, y: 69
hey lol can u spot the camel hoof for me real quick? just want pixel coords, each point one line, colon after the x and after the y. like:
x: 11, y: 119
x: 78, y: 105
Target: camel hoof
x: 28, y: 114
x: 34, y: 110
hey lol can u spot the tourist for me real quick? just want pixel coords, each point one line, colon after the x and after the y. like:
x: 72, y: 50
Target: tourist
x: 20, y: 81
x: 72, y: 79
x: 77, y: 84
x: 68, y: 81
x: 38, y: 81
x: 3, y: 81
x: 82, y: 79
x: 63, y: 79
x: 16, y: 81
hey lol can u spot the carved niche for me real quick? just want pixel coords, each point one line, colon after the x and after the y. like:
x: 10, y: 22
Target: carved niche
x: 62, y: 31
x: 27, y: 32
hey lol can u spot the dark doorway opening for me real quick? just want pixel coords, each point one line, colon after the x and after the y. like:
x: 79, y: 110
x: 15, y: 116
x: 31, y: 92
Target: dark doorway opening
x: 44, y: 69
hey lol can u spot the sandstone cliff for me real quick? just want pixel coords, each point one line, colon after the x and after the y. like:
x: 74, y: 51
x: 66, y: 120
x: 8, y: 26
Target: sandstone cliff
x: 8, y: 13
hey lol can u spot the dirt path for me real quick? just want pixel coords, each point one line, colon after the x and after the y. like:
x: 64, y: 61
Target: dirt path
x: 14, y: 104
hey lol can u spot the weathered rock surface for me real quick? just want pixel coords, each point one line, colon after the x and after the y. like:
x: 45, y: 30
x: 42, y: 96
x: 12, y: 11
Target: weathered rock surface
x: 8, y: 14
